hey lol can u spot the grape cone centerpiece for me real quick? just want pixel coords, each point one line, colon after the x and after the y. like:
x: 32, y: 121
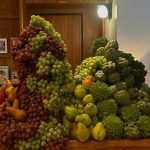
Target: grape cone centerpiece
x: 31, y: 117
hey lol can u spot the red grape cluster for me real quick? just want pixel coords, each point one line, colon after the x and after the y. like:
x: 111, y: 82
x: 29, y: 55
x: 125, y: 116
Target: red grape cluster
x: 35, y: 39
x: 58, y: 144
x: 57, y: 49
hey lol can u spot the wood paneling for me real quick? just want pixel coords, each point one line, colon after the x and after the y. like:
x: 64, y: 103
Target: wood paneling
x: 9, y: 27
x: 110, y: 145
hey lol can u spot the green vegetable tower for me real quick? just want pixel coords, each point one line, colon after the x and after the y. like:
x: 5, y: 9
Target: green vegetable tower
x: 113, y: 93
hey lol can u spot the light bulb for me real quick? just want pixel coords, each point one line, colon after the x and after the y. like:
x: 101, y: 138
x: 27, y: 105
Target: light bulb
x: 102, y: 11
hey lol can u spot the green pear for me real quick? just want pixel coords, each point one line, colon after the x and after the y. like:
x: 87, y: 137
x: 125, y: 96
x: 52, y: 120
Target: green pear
x: 82, y: 132
x: 79, y: 92
x: 66, y: 122
x: 88, y: 99
x: 71, y: 112
x: 83, y: 118
x: 99, y: 131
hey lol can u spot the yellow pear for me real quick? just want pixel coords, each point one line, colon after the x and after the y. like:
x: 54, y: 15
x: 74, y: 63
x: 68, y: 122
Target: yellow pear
x: 99, y: 131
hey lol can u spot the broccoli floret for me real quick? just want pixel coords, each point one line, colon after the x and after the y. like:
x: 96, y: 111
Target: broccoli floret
x: 144, y: 107
x: 130, y: 113
x: 131, y: 131
x: 130, y: 80
x: 133, y: 92
x: 146, y: 88
x: 114, y: 127
x: 111, y: 54
x: 121, y: 86
x: 122, y: 62
x: 99, y: 90
x: 100, y: 51
x: 112, y: 90
x: 114, y: 78
x: 144, y: 125
x: 102, y: 42
x: 142, y: 95
x: 124, y: 71
x: 112, y: 44
x: 107, y: 107
x: 100, y: 76
x: 108, y: 67
x: 122, y: 98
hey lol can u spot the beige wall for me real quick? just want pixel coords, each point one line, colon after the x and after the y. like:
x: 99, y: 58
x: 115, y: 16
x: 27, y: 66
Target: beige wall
x: 133, y: 29
x: 111, y: 24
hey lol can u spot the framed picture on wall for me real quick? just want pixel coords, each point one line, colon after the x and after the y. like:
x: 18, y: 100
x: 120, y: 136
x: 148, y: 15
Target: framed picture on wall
x: 4, y: 74
x: 3, y: 45
x: 13, y: 41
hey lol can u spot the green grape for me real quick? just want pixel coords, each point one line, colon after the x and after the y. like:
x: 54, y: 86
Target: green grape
x: 89, y: 66
x: 31, y: 83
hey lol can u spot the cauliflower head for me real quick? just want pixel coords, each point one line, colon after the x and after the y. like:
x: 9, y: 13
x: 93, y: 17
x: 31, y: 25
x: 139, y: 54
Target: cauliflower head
x: 122, y: 98
x: 107, y: 107
x: 130, y: 113
x: 144, y: 125
x: 114, y: 127
x: 99, y: 90
x: 131, y: 131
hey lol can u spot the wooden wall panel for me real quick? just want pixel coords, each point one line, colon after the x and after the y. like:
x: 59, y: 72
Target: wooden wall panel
x: 9, y: 27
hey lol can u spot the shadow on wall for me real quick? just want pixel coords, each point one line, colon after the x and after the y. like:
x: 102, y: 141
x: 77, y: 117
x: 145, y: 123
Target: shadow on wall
x: 146, y: 60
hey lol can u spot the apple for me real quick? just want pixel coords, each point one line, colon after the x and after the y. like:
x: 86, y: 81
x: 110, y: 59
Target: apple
x: 2, y: 98
x: 86, y: 83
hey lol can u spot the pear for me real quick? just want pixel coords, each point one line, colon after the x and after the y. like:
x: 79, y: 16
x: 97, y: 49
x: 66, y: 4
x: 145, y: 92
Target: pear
x: 66, y: 122
x: 79, y: 92
x: 88, y: 99
x: 99, y: 131
x: 18, y: 114
x: 73, y: 131
x: 82, y: 132
x: 10, y: 91
x: 71, y: 112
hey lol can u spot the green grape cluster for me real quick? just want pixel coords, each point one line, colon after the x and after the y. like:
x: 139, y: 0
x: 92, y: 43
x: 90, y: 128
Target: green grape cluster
x: 89, y: 66
x: 39, y: 21
x: 46, y: 25
x: 59, y: 70
x: 45, y: 63
x: 46, y: 132
x: 31, y: 83
x: 36, y: 42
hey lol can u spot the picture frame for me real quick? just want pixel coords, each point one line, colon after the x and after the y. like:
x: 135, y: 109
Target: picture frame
x: 3, y: 45
x: 4, y: 74
x: 13, y: 41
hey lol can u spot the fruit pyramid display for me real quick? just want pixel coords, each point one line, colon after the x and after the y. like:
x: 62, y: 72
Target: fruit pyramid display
x: 105, y: 99
x: 112, y: 100
x: 30, y: 115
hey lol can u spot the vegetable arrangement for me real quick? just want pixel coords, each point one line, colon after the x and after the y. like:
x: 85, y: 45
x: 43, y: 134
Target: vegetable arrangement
x: 112, y: 100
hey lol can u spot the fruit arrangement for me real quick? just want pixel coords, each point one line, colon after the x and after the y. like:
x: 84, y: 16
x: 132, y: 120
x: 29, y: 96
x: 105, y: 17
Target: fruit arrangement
x: 112, y: 100
x: 105, y: 99
x: 30, y: 114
